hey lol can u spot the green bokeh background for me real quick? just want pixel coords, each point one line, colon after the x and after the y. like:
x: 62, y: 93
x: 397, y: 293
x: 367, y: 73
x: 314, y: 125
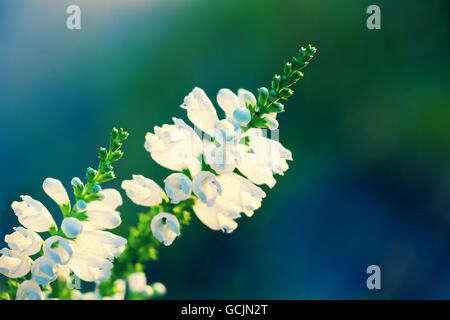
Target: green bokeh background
x: 368, y: 127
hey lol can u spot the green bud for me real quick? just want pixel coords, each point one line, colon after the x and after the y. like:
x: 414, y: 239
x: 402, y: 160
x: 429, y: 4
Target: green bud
x: 276, y: 107
x: 287, y: 69
x: 286, y: 93
x: 96, y: 188
x: 276, y: 82
x: 90, y: 173
x: 302, y: 52
x: 102, y: 154
x: 108, y: 176
x: 114, y: 133
x: 272, y: 93
x: 76, y: 183
x: 115, y: 146
x: 263, y: 94
x: 108, y: 167
x: 116, y: 155
x: 297, y: 75
x: 123, y: 135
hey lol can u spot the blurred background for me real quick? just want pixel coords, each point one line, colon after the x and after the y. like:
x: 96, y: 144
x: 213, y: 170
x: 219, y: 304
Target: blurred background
x: 369, y: 128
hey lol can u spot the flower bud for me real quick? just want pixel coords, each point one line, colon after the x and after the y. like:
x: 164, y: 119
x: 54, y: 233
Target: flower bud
x: 90, y: 173
x: 72, y: 226
x: 137, y: 282
x: 102, y: 154
x: 286, y: 93
x: 271, y: 123
x: 263, y: 94
x: 76, y: 183
x: 159, y: 289
x: 276, y: 82
x: 55, y: 190
x: 116, y: 155
x: 242, y: 116
x: 297, y: 75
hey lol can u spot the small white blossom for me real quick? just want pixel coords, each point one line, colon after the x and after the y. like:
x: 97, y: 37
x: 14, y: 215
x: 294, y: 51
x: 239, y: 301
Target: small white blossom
x: 101, y: 244
x: 24, y: 241
x: 159, y: 288
x: 58, y: 250
x: 175, y: 147
x: 29, y: 290
x: 239, y: 195
x: 102, y: 214
x: 178, y: 187
x: 88, y: 267
x: 165, y: 227
x: 14, y: 264
x: 235, y: 107
x: 200, y: 109
x: 32, y: 214
x: 264, y: 158
x: 137, y: 282
x: 55, y: 190
x: 44, y: 271
x: 214, y: 217
x: 71, y: 227
x: 143, y: 191
x: 206, y: 187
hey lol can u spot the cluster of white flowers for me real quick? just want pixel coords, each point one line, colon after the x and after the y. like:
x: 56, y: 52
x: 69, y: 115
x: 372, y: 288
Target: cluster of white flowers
x: 81, y: 247
x: 221, y: 165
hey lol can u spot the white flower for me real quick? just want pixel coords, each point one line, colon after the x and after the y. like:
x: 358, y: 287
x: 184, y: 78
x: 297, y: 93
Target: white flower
x: 178, y: 187
x: 55, y: 190
x: 102, y: 214
x: 29, y: 290
x: 32, y: 214
x: 215, y: 217
x: 206, y: 187
x: 221, y: 159
x: 24, y: 241
x: 239, y: 195
x: 58, y: 250
x: 101, y: 244
x: 111, y: 198
x: 165, y: 227
x: 137, y: 282
x: 44, y: 271
x: 263, y: 158
x: 235, y: 107
x: 88, y: 267
x: 143, y: 191
x: 175, y: 147
x: 71, y: 227
x: 14, y: 264
x: 159, y: 288
x: 200, y: 109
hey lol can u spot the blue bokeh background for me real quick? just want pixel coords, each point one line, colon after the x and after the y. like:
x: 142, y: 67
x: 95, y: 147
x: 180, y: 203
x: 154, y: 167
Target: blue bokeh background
x: 369, y: 128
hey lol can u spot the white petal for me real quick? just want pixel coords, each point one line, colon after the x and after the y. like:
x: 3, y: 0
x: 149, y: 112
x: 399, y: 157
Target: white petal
x: 228, y: 101
x: 55, y: 190
x: 200, y: 109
